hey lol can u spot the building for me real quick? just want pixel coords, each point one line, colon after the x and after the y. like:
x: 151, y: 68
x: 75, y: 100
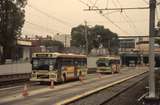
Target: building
x: 137, y: 50
x: 23, y: 50
x: 127, y: 44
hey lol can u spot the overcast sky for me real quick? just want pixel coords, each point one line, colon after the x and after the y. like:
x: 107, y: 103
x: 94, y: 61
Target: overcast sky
x: 48, y: 17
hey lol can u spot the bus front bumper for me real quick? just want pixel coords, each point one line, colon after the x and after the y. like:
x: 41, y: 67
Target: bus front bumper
x: 40, y: 80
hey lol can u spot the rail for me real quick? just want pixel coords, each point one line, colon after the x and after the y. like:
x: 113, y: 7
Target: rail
x: 89, y: 93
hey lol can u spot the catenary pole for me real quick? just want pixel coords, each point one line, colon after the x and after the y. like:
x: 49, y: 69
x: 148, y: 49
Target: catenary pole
x: 86, y: 36
x: 152, y: 6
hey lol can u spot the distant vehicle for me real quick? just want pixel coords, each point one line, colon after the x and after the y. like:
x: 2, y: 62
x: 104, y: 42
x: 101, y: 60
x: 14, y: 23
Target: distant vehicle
x: 57, y: 66
x: 132, y: 63
x: 108, y: 65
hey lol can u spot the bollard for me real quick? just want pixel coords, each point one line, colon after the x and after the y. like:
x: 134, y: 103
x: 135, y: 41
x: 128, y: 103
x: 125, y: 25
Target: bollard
x: 81, y: 78
x: 25, y: 90
x: 99, y: 75
x: 52, y: 84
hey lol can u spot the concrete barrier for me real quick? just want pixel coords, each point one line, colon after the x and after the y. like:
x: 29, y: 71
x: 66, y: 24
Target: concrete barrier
x: 15, y: 68
x: 19, y: 68
x: 91, y: 64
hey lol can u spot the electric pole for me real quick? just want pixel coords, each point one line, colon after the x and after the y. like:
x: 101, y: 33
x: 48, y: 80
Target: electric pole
x: 65, y: 40
x: 86, y: 36
x: 152, y: 6
x: 152, y: 99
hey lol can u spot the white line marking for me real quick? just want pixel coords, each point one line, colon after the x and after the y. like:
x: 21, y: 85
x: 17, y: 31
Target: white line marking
x: 95, y: 90
x: 10, y: 88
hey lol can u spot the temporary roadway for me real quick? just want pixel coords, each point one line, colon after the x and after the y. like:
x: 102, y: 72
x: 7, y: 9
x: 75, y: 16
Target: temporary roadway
x: 67, y: 92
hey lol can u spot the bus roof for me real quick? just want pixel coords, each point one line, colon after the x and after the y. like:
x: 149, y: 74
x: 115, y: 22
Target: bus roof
x: 56, y: 55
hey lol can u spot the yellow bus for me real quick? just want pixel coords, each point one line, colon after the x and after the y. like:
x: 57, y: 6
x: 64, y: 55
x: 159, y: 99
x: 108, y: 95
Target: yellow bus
x: 57, y: 67
x: 108, y: 65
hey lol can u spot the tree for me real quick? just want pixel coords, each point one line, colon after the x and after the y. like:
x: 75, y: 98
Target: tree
x: 53, y: 45
x: 11, y: 22
x: 97, y: 36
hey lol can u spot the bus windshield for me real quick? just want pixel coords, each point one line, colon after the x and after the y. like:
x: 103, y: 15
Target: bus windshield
x: 103, y: 63
x: 43, y: 63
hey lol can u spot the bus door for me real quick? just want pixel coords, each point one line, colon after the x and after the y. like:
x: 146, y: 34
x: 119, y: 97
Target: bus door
x: 76, y: 69
x: 59, y: 69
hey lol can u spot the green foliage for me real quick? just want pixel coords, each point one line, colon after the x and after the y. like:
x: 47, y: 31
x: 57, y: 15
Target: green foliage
x: 97, y: 36
x: 11, y: 22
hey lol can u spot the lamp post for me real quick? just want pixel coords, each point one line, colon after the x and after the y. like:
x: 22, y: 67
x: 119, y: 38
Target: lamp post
x: 99, y: 43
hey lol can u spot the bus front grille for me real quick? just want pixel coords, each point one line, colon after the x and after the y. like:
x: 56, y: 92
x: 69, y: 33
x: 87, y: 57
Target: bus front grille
x: 42, y: 76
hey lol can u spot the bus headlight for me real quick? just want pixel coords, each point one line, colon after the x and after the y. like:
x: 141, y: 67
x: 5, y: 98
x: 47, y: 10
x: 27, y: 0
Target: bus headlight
x: 50, y: 67
x: 33, y: 75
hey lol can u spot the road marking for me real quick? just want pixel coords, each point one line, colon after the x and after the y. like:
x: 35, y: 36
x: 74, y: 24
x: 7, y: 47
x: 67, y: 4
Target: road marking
x: 89, y: 75
x: 140, y: 98
x: 18, y: 96
x: 96, y: 90
x: 10, y: 88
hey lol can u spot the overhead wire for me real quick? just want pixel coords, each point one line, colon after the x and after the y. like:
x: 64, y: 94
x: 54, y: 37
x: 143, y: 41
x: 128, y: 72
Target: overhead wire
x: 41, y: 27
x: 107, y: 3
x: 49, y: 16
x: 112, y: 22
x: 131, y: 25
x: 145, y: 1
x: 95, y: 3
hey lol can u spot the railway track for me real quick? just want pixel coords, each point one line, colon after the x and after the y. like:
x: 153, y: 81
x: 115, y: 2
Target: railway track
x: 105, y: 94
x: 40, y: 95
x: 14, y: 82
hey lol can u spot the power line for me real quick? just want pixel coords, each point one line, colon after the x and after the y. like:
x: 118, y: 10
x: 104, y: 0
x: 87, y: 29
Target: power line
x: 121, y: 13
x: 145, y: 1
x: 120, y: 9
x: 41, y: 27
x: 50, y: 16
x: 95, y: 3
x: 107, y: 3
x: 108, y: 13
x: 130, y: 24
x: 105, y: 17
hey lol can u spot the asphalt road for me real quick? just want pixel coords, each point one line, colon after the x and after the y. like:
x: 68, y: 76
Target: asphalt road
x: 42, y: 94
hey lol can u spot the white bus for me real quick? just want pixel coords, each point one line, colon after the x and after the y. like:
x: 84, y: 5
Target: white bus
x: 57, y: 66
